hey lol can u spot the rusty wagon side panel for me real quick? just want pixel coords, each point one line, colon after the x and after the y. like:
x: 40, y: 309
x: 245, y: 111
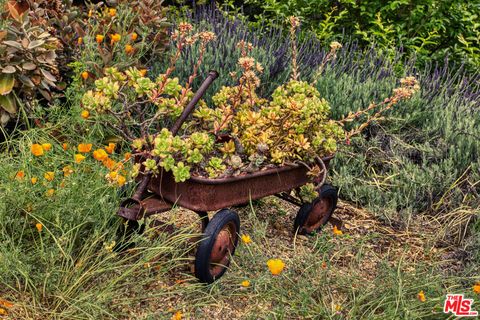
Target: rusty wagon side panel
x: 203, y: 194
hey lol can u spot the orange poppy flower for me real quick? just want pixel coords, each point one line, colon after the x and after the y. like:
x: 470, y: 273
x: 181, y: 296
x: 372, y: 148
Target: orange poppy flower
x: 46, y: 146
x: 99, y: 38
x: 34, y: 180
x: 476, y: 288
x: 111, y: 148
x: 50, y: 192
x: 337, y: 231
x: 65, y: 146
x: 275, y: 266
x: 134, y: 36
x: 84, y: 147
x: 36, y: 149
x: 128, y: 49
x: 421, y: 296
x: 20, y: 175
x: 177, y: 316
x: 85, y: 75
x: 5, y: 303
x: 100, y: 155
x: 112, y: 12
x: 67, y: 171
x: 121, y: 180
x: 49, y: 176
x: 39, y: 227
x: 115, y: 37
x: 85, y: 114
x: 109, y: 163
x: 80, y: 41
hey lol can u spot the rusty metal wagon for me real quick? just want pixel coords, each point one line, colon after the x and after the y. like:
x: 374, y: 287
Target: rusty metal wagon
x: 157, y: 194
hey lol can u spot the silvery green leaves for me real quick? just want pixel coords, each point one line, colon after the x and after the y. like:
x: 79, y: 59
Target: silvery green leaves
x: 28, y: 65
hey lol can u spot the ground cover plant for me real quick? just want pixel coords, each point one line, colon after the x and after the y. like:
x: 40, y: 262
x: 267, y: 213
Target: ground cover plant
x: 409, y: 184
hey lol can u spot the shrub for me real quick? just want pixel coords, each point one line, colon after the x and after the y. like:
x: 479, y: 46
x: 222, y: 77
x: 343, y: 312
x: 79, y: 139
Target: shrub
x: 431, y: 29
x: 29, y: 66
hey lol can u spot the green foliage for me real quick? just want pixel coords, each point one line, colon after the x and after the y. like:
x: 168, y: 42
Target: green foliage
x: 430, y: 29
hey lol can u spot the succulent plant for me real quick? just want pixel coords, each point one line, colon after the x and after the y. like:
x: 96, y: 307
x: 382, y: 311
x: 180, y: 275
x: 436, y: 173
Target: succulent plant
x: 28, y: 61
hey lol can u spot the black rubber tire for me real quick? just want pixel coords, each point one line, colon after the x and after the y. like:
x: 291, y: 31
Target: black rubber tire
x: 326, y: 191
x: 204, y: 250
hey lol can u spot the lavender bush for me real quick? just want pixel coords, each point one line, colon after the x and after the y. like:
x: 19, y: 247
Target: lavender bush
x: 423, y: 159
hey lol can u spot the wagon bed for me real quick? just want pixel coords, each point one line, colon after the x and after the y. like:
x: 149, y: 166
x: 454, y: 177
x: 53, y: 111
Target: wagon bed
x: 204, y: 194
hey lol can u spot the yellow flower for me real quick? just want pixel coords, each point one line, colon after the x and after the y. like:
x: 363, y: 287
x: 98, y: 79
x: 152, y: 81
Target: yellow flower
x: 50, y: 192
x: 275, y: 266
x: 34, y: 180
x: 338, y: 307
x: 36, y: 149
x: 79, y: 158
x: 99, y: 38
x: 177, y: 316
x: 113, y: 175
x: 421, y: 296
x: 46, y: 146
x: 476, y: 288
x: 49, y: 176
x: 128, y: 49
x: 39, y: 227
x: 80, y: 41
x: 85, y: 75
x: 65, y: 146
x: 100, y: 155
x: 84, y: 147
x: 109, y: 247
x: 121, y: 180
x: 337, y: 231
x: 111, y: 148
x: 245, y: 283
x: 143, y: 72
x: 90, y: 13
x: 115, y: 38
x: 112, y: 12
x: 67, y: 171
x: 20, y: 175
x: 134, y: 36
x: 246, y: 239
x: 85, y: 114
x: 3, y: 312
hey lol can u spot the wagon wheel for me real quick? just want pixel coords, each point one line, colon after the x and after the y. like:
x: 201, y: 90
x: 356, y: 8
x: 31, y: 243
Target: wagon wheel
x: 218, y: 245
x: 313, y: 216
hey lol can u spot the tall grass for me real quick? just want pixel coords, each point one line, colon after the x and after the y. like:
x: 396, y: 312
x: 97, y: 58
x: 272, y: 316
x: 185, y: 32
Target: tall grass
x: 56, y: 257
